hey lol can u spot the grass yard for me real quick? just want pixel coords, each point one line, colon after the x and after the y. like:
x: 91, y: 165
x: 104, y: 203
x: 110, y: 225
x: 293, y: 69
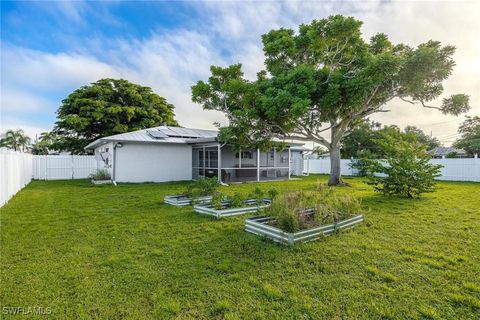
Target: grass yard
x: 111, y: 252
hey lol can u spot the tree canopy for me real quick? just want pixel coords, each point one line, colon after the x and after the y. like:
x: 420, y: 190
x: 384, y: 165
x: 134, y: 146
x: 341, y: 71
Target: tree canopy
x: 15, y: 139
x: 422, y: 137
x: 44, y: 143
x: 108, y: 107
x: 361, y: 139
x: 470, y: 139
x: 325, y: 78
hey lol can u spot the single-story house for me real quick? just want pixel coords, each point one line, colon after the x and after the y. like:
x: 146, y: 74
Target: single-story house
x: 448, y: 152
x: 172, y: 154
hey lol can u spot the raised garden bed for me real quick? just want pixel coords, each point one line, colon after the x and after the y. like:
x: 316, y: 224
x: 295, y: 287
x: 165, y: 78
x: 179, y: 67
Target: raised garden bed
x: 183, y: 201
x: 101, y: 181
x: 251, y: 205
x: 265, y: 227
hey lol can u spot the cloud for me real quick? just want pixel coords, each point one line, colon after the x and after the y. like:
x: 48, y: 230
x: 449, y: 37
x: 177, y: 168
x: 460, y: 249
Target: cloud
x: 229, y: 32
x: 453, y: 23
x: 17, y: 101
x: 37, y: 70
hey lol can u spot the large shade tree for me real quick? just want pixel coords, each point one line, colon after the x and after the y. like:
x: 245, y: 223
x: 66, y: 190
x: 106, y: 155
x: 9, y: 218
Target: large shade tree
x: 108, y: 107
x: 322, y: 80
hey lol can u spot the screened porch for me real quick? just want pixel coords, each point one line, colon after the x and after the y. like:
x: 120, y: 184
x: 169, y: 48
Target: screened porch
x: 208, y: 160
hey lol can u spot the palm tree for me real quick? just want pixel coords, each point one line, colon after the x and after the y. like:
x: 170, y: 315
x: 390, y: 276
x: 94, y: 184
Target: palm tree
x: 15, y: 139
x: 44, y: 144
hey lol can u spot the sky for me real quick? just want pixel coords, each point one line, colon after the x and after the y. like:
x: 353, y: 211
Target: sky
x: 49, y: 49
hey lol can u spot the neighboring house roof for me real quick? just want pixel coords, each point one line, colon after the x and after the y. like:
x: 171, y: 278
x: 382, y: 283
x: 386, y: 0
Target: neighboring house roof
x: 163, y: 134
x: 444, y: 151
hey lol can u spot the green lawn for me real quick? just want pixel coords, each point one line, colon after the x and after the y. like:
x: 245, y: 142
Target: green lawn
x: 119, y: 253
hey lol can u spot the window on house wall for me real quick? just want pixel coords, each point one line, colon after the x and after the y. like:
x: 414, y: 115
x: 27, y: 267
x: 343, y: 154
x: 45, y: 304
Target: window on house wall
x: 245, y: 155
x: 210, y: 159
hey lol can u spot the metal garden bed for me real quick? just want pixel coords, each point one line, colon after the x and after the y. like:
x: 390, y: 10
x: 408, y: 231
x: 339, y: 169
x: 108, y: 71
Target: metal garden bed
x: 251, y: 206
x: 183, y: 201
x: 260, y: 226
x: 101, y: 181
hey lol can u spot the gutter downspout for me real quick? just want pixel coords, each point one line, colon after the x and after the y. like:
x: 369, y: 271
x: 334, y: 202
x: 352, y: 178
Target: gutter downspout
x: 113, y: 162
x: 220, y: 165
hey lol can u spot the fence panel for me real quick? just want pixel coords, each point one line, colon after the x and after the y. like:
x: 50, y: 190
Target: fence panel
x: 15, y: 173
x: 467, y: 169
x: 56, y: 167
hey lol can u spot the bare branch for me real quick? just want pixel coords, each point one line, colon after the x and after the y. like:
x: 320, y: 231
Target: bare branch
x: 421, y: 102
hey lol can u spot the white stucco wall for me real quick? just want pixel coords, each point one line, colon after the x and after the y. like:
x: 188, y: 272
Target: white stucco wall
x: 153, y: 162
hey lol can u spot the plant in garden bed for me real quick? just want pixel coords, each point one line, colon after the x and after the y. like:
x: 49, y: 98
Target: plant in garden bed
x: 223, y: 206
x: 300, y: 210
x: 202, y: 187
x: 199, y: 191
x: 237, y: 200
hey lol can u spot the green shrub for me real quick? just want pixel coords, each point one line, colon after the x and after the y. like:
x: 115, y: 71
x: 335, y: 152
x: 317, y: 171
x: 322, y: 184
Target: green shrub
x: 272, y: 194
x: 406, y: 170
x: 257, y: 194
x: 236, y: 200
x: 100, y: 175
x: 217, y: 199
x: 362, y: 163
x: 202, y: 187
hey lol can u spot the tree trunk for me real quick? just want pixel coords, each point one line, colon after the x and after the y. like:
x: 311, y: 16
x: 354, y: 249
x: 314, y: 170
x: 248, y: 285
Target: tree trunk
x: 335, y: 174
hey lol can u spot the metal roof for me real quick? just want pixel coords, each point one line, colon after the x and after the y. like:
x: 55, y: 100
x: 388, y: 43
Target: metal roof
x: 165, y: 134
x: 162, y: 134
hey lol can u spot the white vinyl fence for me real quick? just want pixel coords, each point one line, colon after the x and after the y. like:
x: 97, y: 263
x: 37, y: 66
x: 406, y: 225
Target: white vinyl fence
x: 15, y: 173
x: 467, y: 169
x: 56, y: 167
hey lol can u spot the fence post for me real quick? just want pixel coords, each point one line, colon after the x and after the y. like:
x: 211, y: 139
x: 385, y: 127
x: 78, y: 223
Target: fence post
x: 73, y: 169
x: 46, y: 167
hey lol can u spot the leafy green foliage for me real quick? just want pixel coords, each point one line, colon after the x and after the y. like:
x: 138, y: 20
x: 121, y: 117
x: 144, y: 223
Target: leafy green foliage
x: 217, y: 200
x: 362, y: 162
x: 430, y: 142
x: 405, y: 171
x: 325, y: 77
x: 237, y: 200
x: 257, y: 194
x: 360, y: 139
x: 108, y: 107
x: 470, y: 139
x: 202, y: 187
x: 360, y: 142
x: 79, y: 241
x: 272, y: 194
x: 290, y: 210
x: 45, y: 143
x: 15, y: 139
x: 101, y: 174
